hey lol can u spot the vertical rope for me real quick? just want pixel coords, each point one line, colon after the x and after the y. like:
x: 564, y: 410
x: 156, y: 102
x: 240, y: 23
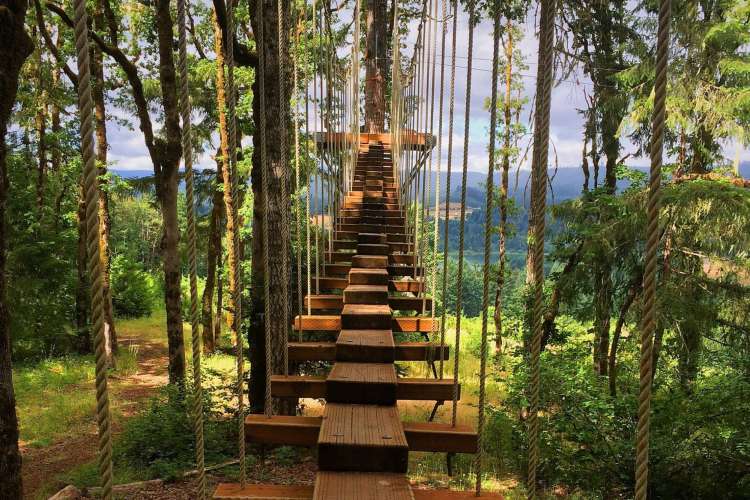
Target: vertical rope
x: 451, y: 112
x: 487, y: 249
x: 85, y: 109
x: 436, y: 218
x: 648, y: 324
x: 284, y: 163
x: 297, y: 176
x: 233, y: 245
x: 266, y: 171
x: 538, y: 208
x: 461, y: 222
x: 187, y: 155
x: 307, y: 192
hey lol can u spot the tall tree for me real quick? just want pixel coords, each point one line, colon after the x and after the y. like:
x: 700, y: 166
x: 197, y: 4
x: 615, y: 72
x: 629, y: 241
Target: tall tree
x: 165, y: 152
x: 15, y: 47
x: 270, y: 204
x: 376, y: 63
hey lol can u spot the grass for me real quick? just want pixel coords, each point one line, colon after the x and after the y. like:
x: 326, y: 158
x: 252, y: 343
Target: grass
x: 55, y: 397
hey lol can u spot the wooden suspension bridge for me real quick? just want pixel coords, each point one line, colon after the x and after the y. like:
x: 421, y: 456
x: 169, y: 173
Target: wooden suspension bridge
x: 362, y: 444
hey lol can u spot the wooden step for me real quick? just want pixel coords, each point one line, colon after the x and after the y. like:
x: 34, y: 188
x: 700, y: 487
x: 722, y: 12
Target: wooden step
x: 445, y: 494
x: 361, y: 346
x: 414, y: 324
x: 363, y: 438
x: 362, y: 383
x: 335, y: 302
x: 331, y: 282
x: 406, y: 389
x: 397, y: 285
x: 438, y: 437
x: 366, y: 294
x: 361, y: 486
x: 370, y: 261
x: 338, y: 269
x: 373, y: 249
x: 401, y: 258
x: 328, y: 351
x: 282, y: 429
x: 366, y: 317
x: 402, y: 270
x: 340, y: 256
x: 232, y: 491
x: 371, y: 238
x: 344, y: 245
x: 364, y: 276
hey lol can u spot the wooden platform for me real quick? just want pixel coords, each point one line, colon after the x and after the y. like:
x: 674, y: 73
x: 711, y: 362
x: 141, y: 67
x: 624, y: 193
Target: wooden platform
x: 362, y: 486
x: 266, y: 491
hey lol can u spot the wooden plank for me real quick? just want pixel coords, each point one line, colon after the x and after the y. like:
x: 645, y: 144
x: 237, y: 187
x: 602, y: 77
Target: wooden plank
x: 322, y: 323
x: 401, y: 285
x: 414, y: 324
x: 426, y: 389
x: 231, y: 491
x: 361, y: 486
x: 282, y: 429
x: 324, y: 301
x: 366, y: 317
x: 366, y: 294
x: 312, y: 351
x: 442, y: 494
x: 366, y: 438
x: 361, y: 383
x: 326, y: 351
x: 375, y: 346
x: 298, y: 386
x: 439, y: 437
x: 409, y: 303
x: 331, y: 283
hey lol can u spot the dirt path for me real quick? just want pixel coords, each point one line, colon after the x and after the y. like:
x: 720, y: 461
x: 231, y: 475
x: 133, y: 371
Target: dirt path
x: 42, y: 465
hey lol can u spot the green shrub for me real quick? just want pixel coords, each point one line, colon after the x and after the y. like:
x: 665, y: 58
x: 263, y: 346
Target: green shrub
x: 160, y: 442
x: 133, y: 289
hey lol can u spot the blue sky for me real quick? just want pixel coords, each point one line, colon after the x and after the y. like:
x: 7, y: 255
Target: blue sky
x: 129, y: 153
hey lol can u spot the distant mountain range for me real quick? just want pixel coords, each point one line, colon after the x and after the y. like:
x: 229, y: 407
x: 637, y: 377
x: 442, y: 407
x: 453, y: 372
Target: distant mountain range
x: 567, y: 183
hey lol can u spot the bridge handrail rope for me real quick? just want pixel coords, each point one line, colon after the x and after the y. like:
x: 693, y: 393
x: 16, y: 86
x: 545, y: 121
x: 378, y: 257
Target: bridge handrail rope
x: 487, y: 249
x: 451, y: 113
x: 94, y: 265
x: 648, y: 324
x: 187, y: 156
x: 281, y: 33
x: 461, y: 222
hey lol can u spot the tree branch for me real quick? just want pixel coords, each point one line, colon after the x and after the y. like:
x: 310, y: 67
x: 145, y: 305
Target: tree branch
x: 242, y: 55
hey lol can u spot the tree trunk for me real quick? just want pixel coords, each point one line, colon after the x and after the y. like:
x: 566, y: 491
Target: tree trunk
x: 100, y: 129
x: 167, y: 180
x: 219, y: 298
x: 40, y: 124
x: 376, y: 64
x: 214, y: 249
x: 83, y: 296
x: 272, y: 204
x: 15, y: 47
x: 507, y: 137
x: 633, y: 289
x: 602, y: 315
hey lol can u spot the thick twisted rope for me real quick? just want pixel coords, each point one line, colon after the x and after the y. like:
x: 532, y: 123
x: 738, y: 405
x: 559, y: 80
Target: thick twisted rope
x: 233, y: 244
x: 451, y: 113
x: 187, y: 156
x: 265, y: 171
x: 538, y: 208
x: 284, y: 159
x: 487, y: 250
x: 297, y: 176
x: 90, y: 184
x: 648, y: 325
x: 436, y: 217
x: 461, y: 223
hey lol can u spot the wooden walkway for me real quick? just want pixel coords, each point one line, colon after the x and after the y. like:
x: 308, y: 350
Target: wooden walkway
x: 363, y: 446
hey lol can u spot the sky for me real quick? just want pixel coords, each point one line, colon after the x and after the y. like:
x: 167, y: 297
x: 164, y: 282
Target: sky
x: 128, y: 151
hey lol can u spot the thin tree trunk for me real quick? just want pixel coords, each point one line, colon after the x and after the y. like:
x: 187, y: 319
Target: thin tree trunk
x: 219, y: 298
x: 214, y: 247
x: 40, y: 124
x: 507, y: 113
x: 100, y: 129
x: 602, y: 315
x: 167, y: 180
x: 83, y: 297
x: 15, y: 47
x: 633, y: 290
x: 376, y: 64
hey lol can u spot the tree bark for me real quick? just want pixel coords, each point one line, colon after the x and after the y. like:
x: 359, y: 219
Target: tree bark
x: 633, y: 290
x: 507, y: 137
x: 15, y: 47
x: 40, y: 124
x: 602, y: 315
x: 376, y: 64
x: 167, y: 180
x: 100, y: 129
x: 83, y: 297
x: 212, y: 253
x: 272, y: 204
